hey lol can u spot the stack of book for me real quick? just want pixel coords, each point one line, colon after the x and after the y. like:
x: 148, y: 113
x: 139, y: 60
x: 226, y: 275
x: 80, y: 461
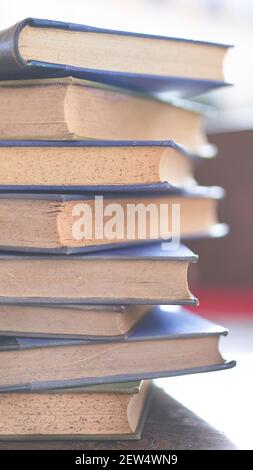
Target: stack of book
x: 96, y: 179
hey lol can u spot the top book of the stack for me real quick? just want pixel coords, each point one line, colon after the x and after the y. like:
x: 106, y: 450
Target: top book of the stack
x: 35, y: 48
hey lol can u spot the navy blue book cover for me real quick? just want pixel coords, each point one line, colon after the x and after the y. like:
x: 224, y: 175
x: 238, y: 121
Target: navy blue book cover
x: 14, y: 67
x: 152, y: 251
x: 124, y: 191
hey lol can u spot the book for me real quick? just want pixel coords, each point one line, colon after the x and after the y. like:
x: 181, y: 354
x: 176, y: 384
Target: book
x: 71, y: 223
x: 79, y: 109
x: 43, y: 48
x: 164, y: 343
x: 110, y: 411
x: 46, y: 165
x: 72, y: 321
x: 145, y: 274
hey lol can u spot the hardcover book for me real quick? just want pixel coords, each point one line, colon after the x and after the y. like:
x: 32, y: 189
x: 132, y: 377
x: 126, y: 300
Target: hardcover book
x: 44, y: 48
x: 145, y: 274
x: 99, y: 165
x: 79, y: 109
x: 110, y: 411
x: 72, y: 321
x: 91, y: 221
x: 164, y: 343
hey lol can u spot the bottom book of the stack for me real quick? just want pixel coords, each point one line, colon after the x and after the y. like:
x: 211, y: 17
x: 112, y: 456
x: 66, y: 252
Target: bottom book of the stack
x: 112, y: 411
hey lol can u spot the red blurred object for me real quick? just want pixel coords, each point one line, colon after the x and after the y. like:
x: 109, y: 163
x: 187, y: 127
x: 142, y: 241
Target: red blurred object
x: 232, y: 302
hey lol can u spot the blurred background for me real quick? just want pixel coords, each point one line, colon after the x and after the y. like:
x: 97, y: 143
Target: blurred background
x: 223, y: 278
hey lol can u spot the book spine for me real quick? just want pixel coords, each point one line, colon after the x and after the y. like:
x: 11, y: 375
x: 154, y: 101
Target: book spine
x: 10, y: 58
x: 9, y: 344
